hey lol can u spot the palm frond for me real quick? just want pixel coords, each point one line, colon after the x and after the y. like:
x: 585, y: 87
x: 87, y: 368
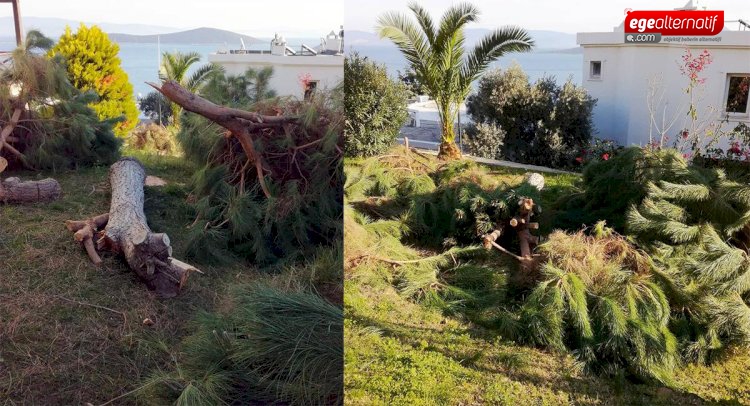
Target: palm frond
x: 452, y: 23
x: 174, y: 66
x: 424, y: 20
x: 492, y: 46
x: 408, y: 38
x: 200, y: 76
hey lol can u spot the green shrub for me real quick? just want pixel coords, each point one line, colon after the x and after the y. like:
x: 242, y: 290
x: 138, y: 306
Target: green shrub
x: 273, y: 346
x: 375, y: 107
x: 409, y: 79
x: 543, y: 123
x: 156, y: 107
x: 485, y: 140
x: 92, y: 64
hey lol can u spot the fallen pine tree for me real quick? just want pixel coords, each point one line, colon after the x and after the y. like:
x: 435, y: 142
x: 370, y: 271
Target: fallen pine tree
x: 269, y: 183
x: 124, y: 231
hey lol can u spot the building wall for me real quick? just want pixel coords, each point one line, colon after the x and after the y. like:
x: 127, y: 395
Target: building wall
x: 287, y: 70
x: 628, y: 71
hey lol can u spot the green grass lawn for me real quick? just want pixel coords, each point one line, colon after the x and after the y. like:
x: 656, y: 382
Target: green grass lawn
x: 401, y: 351
x: 58, y: 343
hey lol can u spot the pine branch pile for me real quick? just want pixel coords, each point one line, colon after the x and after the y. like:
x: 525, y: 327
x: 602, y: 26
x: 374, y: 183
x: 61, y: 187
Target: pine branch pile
x: 375, y: 245
x: 267, y: 189
x: 274, y: 346
x: 441, y: 205
x: 598, y: 298
x: 610, y: 187
x: 697, y: 225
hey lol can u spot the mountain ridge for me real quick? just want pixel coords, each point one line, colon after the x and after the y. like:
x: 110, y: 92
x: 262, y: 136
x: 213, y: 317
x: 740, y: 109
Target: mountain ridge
x: 544, y: 39
x: 202, y: 35
x: 54, y: 27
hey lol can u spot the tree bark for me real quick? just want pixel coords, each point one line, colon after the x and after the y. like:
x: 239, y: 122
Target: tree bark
x: 522, y: 224
x: 127, y: 233
x: 12, y: 190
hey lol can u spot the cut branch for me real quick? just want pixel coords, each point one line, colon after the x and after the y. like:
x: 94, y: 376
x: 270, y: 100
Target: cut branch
x: 9, y: 127
x: 522, y: 224
x: 12, y: 190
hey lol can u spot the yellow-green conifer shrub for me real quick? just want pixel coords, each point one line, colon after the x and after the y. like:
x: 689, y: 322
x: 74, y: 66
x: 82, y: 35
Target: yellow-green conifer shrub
x: 93, y: 64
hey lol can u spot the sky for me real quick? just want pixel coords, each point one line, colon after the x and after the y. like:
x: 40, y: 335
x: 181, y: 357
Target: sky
x: 252, y: 17
x: 553, y: 15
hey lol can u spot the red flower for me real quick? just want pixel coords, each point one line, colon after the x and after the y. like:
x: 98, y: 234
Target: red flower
x: 605, y: 156
x: 685, y: 134
x: 579, y: 159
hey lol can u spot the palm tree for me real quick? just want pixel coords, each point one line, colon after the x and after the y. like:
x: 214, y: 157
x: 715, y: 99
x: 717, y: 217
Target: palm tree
x: 175, y: 66
x: 240, y: 91
x: 438, y: 58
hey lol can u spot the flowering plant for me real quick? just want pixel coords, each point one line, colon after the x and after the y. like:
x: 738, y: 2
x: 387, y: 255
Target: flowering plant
x: 599, y: 149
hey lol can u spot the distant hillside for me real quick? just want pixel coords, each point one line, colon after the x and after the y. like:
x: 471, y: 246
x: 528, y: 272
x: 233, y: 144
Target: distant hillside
x: 196, y: 36
x: 544, y: 39
x: 54, y: 27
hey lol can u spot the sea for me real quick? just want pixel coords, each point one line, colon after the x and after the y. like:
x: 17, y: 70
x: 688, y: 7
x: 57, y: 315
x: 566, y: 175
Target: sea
x: 560, y: 64
x: 141, y: 61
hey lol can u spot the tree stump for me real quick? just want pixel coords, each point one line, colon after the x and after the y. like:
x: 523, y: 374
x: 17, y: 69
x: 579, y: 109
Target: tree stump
x: 522, y: 224
x: 127, y: 233
x: 12, y: 190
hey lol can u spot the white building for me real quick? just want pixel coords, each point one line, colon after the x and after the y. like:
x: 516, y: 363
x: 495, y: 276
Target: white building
x: 635, y: 82
x: 321, y: 67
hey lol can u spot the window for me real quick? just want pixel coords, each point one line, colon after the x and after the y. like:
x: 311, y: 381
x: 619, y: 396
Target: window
x: 595, y: 71
x: 737, y: 94
x: 310, y: 89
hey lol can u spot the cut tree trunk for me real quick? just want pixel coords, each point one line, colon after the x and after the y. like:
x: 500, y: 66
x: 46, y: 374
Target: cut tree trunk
x: 522, y: 224
x: 127, y: 233
x: 12, y: 190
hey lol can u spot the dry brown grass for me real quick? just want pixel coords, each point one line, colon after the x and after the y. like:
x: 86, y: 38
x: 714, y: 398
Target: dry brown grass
x: 594, y: 258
